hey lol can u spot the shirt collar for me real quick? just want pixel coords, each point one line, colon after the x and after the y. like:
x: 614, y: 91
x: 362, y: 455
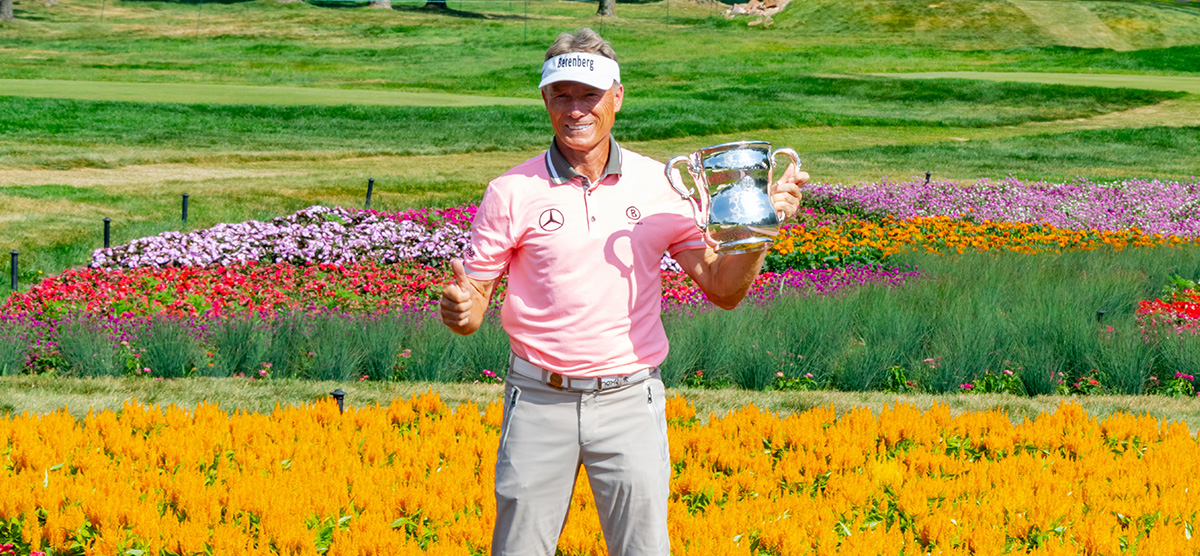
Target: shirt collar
x: 561, y: 171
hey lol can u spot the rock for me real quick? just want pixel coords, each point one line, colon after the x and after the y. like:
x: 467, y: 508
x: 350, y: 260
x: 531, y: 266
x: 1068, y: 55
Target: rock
x: 763, y: 9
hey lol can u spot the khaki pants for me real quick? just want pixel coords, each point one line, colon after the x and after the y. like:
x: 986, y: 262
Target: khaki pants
x: 619, y: 436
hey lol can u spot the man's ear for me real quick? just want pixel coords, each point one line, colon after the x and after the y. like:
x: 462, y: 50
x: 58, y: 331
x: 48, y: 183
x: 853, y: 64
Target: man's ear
x: 618, y: 96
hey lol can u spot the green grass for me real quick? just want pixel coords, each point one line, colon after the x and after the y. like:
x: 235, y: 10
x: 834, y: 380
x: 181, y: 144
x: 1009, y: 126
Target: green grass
x: 1052, y: 156
x: 1182, y: 83
x: 692, y: 80
x: 198, y: 93
x: 44, y: 394
x: 705, y: 108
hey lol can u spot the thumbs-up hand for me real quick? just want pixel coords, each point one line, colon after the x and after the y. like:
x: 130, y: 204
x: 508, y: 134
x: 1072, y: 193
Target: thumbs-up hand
x: 457, y: 302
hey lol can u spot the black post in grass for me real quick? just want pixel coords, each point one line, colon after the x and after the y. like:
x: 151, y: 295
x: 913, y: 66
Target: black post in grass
x: 14, y: 254
x: 339, y: 395
x: 927, y: 176
x: 1100, y: 315
x: 370, y: 186
x: 185, y: 203
x: 107, y: 231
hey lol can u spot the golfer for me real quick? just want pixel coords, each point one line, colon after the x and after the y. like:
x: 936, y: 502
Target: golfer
x: 580, y: 230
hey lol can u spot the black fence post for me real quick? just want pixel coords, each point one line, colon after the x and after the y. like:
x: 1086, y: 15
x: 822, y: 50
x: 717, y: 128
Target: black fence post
x: 370, y: 186
x: 185, y: 203
x: 107, y: 231
x: 14, y: 254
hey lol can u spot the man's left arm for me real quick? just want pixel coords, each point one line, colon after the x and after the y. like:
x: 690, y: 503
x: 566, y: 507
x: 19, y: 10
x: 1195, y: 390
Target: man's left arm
x: 725, y: 279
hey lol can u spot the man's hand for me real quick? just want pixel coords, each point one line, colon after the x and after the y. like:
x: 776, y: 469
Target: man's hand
x: 787, y: 192
x: 458, y: 303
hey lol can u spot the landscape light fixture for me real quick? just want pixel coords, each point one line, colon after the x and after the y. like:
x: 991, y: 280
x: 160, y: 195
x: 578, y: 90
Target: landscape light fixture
x: 185, y: 200
x: 927, y: 176
x: 107, y: 229
x: 370, y: 186
x: 14, y: 254
x: 339, y: 395
x: 1100, y: 314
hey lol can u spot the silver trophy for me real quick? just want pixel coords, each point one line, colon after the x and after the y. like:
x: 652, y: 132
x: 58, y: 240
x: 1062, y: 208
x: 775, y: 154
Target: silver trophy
x: 734, y: 184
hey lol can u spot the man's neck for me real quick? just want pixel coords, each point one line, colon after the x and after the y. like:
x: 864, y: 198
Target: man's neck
x: 590, y: 163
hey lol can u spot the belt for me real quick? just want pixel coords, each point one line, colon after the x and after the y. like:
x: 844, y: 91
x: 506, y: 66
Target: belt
x: 581, y: 384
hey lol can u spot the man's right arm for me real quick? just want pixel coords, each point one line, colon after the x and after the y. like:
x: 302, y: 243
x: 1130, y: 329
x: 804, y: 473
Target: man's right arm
x: 465, y: 300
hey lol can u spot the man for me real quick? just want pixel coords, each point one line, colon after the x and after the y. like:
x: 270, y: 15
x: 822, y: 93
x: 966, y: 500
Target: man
x: 580, y: 231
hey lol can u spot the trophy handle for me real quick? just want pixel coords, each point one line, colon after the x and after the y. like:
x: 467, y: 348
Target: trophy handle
x: 795, y: 160
x: 699, y: 207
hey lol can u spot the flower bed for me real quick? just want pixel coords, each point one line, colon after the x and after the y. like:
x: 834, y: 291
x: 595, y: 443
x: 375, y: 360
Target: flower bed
x: 314, y: 235
x: 865, y: 242
x: 415, y: 478
x: 1180, y: 312
x: 1152, y: 206
x: 220, y: 291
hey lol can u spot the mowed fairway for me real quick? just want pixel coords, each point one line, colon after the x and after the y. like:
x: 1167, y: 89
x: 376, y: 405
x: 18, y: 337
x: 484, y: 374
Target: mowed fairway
x: 200, y: 93
x: 257, y: 109
x: 1182, y: 83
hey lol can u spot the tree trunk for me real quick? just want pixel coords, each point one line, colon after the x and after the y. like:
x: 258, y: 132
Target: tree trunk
x: 6, y: 10
x: 381, y: 4
x: 607, y: 8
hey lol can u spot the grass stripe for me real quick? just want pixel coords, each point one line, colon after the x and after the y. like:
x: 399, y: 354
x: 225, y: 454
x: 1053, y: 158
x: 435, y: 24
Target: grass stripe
x: 200, y: 93
x: 1124, y: 81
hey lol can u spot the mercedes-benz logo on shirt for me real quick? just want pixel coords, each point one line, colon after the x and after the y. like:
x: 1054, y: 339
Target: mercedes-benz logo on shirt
x: 633, y: 213
x: 550, y: 220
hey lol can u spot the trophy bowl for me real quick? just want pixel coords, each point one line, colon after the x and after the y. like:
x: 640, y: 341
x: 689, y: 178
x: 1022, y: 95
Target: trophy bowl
x: 732, y: 201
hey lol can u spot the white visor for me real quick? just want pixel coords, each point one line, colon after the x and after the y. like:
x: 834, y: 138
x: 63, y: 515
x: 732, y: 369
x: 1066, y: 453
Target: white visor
x: 590, y: 69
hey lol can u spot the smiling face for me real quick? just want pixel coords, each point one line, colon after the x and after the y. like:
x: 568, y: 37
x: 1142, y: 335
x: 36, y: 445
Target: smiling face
x: 582, y: 115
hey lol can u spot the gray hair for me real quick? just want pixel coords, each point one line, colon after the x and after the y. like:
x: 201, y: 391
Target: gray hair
x: 584, y: 40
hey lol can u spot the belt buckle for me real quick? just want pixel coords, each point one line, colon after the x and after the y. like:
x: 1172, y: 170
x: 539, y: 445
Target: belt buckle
x: 556, y: 381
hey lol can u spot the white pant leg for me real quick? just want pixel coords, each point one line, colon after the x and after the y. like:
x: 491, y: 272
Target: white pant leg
x: 625, y: 453
x: 535, y: 467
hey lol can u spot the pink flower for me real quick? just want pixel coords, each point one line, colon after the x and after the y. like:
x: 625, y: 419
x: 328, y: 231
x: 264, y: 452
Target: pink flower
x: 779, y: 374
x: 1008, y: 372
x: 808, y: 375
x: 262, y: 372
x: 488, y: 373
x: 966, y: 386
x: 406, y: 353
x: 364, y: 377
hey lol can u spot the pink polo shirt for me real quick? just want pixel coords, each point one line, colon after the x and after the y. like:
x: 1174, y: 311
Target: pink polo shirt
x: 584, y: 289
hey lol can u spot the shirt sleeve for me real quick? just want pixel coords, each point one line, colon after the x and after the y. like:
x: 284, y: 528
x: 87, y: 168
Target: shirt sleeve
x: 492, y: 241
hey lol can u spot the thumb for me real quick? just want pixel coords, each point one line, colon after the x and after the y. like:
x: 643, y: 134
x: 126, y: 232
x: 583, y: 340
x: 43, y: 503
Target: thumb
x: 460, y: 273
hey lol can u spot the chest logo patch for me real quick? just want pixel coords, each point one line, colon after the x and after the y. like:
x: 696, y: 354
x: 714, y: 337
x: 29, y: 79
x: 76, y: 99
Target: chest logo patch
x: 551, y: 220
x: 633, y: 213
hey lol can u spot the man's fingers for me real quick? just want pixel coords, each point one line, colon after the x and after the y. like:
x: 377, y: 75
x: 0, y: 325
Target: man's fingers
x: 460, y: 273
x: 455, y: 307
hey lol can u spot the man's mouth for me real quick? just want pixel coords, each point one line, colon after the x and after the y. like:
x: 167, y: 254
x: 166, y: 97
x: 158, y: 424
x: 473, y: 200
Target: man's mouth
x: 579, y: 127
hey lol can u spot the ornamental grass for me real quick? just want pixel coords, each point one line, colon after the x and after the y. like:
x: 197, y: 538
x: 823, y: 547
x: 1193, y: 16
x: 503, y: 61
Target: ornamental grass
x: 415, y: 478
